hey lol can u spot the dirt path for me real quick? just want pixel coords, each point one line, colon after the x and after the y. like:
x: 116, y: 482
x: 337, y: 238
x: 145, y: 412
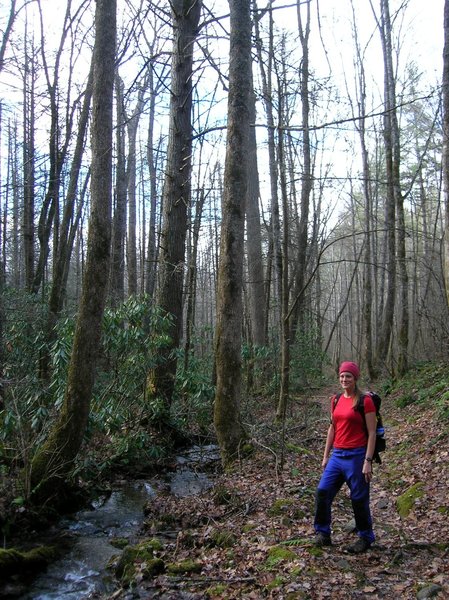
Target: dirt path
x: 251, y: 537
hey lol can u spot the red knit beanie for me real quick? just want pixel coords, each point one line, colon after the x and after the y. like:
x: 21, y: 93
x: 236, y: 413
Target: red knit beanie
x: 349, y: 367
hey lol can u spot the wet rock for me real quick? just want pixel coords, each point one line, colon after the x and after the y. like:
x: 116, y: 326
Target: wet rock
x: 13, y: 561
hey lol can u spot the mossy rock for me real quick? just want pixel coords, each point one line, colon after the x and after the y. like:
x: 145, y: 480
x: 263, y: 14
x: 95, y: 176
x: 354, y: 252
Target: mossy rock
x: 153, y: 567
x: 279, y: 554
x: 40, y: 556
x: 119, y: 543
x: 14, y: 561
x: 221, y: 539
x: 184, y: 567
x: 10, y: 560
x: 281, y: 506
x: 315, y: 551
x: 407, y: 500
x: 143, y: 552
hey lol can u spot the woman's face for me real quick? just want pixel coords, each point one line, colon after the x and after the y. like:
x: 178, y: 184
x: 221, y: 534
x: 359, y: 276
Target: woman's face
x: 347, y: 382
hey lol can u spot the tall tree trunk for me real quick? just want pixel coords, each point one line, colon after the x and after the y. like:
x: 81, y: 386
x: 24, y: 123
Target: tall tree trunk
x: 70, y: 217
x: 150, y: 275
x: 256, y: 284
x: 401, y: 254
x: 29, y: 171
x: 176, y: 196
x: 445, y: 161
x: 387, y: 325
x: 285, y: 313
x: 228, y: 426
x: 15, y: 195
x: 267, y: 92
x: 7, y: 32
x: 192, y: 277
x: 117, y: 277
x: 132, y: 125
x: 152, y: 159
x: 306, y: 178
x: 57, y: 152
x: 54, y: 460
x: 69, y: 224
x: 367, y: 298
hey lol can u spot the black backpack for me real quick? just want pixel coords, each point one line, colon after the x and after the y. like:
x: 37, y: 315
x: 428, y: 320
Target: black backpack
x: 380, y: 430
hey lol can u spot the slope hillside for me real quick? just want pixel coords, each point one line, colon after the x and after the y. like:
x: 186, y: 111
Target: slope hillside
x: 251, y: 535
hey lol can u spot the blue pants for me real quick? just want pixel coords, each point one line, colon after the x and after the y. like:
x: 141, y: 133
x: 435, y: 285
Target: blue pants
x: 344, y: 466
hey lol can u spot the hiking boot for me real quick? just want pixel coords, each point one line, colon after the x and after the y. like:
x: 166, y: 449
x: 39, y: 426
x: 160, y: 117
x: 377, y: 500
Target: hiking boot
x: 321, y: 539
x: 358, y: 547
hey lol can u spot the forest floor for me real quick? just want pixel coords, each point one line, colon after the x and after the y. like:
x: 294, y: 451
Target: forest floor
x: 251, y: 535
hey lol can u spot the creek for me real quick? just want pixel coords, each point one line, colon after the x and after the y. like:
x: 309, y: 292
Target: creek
x: 82, y: 572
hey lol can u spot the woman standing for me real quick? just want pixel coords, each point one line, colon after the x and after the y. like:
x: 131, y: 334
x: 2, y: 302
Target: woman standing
x: 351, y: 437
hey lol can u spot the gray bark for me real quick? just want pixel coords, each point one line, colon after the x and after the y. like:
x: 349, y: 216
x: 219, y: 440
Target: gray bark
x: 54, y: 460
x: 227, y: 421
x: 176, y: 195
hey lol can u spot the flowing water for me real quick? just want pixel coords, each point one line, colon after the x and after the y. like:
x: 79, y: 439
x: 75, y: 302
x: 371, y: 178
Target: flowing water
x: 82, y: 572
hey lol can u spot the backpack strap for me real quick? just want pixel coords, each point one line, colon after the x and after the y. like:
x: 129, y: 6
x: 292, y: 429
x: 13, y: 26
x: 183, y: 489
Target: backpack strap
x: 335, y: 399
x: 361, y: 404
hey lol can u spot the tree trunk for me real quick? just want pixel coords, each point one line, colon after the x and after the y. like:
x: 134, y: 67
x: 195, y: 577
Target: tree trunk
x: 445, y: 160
x: 29, y: 172
x: 306, y: 178
x: 390, y: 208
x: 176, y: 197
x: 367, y: 297
x: 150, y: 272
x: 227, y: 422
x: 192, y: 277
x: 403, y: 320
x: 275, y: 226
x: 7, y: 32
x: 285, y: 314
x: 70, y: 221
x: 132, y: 124
x: 117, y: 277
x: 54, y: 460
x: 256, y: 284
x: 70, y: 218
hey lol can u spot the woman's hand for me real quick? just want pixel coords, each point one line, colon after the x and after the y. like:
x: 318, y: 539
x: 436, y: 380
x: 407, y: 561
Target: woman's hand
x: 324, y: 462
x: 367, y: 470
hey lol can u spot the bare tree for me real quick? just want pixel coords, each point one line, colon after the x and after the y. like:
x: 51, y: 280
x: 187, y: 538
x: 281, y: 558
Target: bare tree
x: 256, y: 284
x: 266, y: 73
x: 54, y: 460
x: 117, y: 276
x: 445, y: 161
x: 391, y: 146
x: 7, y: 32
x: 29, y: 174
x: 360, y: 123
x: 228, y: 426
x: 132, y: 127
x: 176, y: 197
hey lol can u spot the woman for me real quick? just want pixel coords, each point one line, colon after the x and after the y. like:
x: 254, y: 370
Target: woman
x: 352, y: 437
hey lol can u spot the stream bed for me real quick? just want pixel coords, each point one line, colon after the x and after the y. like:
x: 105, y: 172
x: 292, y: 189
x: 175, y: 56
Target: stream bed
x: 82, y: 572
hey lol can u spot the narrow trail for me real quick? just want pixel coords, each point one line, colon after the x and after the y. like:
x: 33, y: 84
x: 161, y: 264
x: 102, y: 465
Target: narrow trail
x: 251, y: 535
